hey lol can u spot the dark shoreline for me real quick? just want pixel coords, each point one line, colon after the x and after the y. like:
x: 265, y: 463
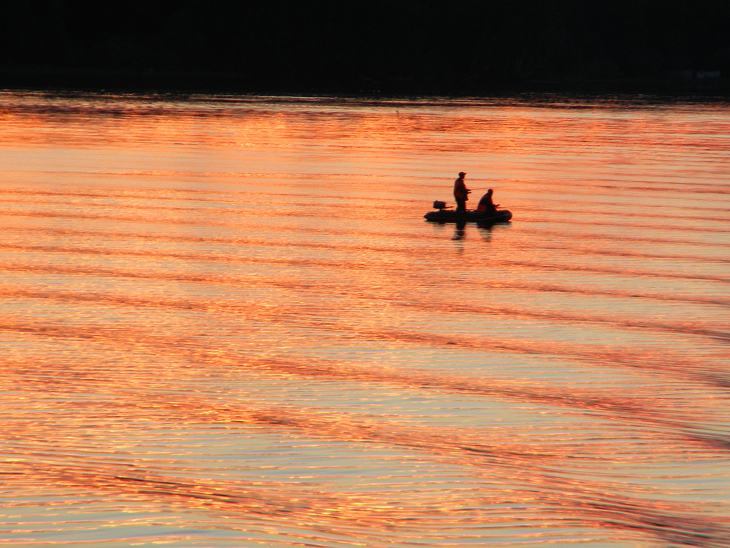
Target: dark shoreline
x: 185, y: 83
x: 462, y: 48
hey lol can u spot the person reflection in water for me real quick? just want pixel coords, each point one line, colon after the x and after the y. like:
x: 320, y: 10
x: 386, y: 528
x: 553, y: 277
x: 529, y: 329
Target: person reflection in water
x: 460, y: 232
x: 461, y: 193
x: 486, y: 205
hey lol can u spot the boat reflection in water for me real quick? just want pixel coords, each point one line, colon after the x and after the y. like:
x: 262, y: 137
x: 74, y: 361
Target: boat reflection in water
x: 485, y: 221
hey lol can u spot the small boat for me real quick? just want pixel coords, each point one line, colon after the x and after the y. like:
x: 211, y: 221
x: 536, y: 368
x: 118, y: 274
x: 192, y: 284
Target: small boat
x: 446, y: 215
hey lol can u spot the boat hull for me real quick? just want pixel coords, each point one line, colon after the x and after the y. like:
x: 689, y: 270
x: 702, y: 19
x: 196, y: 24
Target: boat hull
x: 452, y: 216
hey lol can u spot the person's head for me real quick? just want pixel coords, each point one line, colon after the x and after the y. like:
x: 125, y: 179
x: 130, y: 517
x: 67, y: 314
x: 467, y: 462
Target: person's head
x: 461, y: 175
x: 490, y: 192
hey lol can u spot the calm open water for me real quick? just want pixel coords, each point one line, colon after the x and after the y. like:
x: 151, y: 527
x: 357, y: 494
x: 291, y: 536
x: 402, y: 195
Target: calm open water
x: 225, y: 322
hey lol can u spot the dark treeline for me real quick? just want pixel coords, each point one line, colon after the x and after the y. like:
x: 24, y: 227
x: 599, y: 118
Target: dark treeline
x: 449, y: 46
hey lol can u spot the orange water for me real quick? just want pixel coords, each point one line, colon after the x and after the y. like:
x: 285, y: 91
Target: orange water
x: 225, y: 322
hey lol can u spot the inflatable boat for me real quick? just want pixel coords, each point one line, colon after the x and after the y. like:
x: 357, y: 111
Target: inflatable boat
x: 445, y: 215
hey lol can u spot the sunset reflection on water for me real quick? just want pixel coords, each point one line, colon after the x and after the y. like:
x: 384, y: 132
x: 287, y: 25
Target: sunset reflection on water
x: 226, y: 323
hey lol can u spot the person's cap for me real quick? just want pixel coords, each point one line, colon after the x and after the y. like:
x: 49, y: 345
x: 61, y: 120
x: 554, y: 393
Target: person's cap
x: 461, y: 174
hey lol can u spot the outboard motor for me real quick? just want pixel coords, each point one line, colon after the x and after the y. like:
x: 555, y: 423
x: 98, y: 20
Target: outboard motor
x: 439, y: 205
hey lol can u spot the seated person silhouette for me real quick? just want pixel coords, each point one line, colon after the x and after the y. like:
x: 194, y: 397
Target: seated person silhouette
x: 486, y: 205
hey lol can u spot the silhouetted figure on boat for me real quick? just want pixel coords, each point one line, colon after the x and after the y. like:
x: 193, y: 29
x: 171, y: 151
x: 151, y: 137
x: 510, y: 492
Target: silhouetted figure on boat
x: 486, y: 205
x: 487, y: 211
x: 461, y: 193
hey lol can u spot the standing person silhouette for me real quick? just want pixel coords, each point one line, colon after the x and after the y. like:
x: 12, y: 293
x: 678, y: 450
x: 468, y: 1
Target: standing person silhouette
x: 461, y: 193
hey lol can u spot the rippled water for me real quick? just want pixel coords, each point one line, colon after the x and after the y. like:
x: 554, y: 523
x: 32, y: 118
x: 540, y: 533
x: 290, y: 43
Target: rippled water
x: 225, y: 322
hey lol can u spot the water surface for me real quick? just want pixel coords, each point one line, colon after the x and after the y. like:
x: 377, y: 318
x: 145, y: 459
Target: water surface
x: 226, y: 323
